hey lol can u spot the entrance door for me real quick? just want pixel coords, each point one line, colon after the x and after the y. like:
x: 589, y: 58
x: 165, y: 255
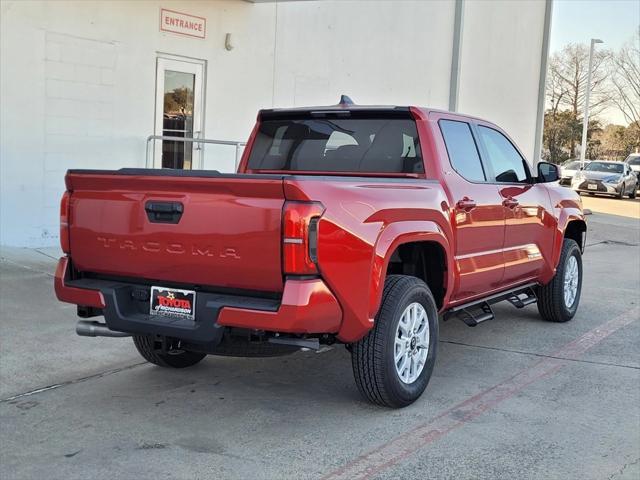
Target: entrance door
x: 179, y: 112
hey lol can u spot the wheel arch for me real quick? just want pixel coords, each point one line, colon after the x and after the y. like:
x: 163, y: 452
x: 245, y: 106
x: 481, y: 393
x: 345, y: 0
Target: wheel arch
x: 576, y: 229
x: 571, y: 224
x: 400, y: 245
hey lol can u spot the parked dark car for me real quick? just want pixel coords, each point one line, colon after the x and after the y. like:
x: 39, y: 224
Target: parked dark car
x: 610, y: 178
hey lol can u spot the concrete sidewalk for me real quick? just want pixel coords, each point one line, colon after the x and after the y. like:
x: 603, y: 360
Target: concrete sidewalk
x: 39, y: 344
x: 110, y: 415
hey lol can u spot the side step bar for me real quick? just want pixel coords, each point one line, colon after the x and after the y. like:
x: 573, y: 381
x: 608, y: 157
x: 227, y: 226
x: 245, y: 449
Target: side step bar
x: 476, y: 314
x: 310, y: 343
x: 523, y: 298
x: 479, y: 311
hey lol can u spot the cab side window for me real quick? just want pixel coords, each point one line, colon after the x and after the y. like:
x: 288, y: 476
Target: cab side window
x: 462, y: 150
x: 505, y: 161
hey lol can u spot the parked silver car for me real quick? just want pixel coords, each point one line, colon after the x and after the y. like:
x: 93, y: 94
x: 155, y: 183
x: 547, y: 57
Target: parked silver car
x: 610, y: 178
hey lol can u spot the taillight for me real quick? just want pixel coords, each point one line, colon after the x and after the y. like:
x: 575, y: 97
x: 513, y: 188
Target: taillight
x: 300, y: 237
x: 64, y: 222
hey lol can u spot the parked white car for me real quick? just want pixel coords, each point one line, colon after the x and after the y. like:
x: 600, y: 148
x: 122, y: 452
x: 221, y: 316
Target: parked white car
x: 568, y: 169
x: 634, y: 162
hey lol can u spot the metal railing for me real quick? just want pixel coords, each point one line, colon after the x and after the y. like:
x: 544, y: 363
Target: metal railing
x: 152, y: 138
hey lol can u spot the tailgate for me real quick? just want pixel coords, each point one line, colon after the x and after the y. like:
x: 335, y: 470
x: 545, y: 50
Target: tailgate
x: 194, y: 228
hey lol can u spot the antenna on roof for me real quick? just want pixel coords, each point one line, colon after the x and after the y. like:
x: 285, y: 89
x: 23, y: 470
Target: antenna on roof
x: 345, y: 100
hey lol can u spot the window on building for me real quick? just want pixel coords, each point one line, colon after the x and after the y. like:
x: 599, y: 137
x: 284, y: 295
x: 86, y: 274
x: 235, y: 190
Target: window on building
x: 177, y: 119
x: 507, y: 164
x: 462, y: 150
x: 339, y: 139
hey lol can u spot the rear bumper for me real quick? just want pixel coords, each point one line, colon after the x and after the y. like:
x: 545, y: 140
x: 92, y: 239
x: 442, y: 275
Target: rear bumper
x: 306, y: 307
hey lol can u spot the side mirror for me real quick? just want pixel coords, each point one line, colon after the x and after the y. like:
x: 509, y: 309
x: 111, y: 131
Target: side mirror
x: 548, y: 172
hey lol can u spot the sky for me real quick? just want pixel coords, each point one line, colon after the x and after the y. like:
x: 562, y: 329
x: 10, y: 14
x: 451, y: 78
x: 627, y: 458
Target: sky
x: 578, y: 21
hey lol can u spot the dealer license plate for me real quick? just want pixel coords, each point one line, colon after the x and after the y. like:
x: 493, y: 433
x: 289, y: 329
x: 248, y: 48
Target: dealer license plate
x: 172, y: 302
x: 592, y: 187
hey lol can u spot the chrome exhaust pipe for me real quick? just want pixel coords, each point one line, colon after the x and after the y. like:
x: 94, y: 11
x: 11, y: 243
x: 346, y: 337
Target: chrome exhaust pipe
x: 86, y: 328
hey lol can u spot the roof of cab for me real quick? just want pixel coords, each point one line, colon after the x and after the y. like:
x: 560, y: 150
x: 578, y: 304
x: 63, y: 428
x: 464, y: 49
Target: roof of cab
x: 346, y: 107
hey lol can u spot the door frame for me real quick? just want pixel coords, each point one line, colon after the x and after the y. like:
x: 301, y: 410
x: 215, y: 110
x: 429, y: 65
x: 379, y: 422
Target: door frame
x: 480, y: 268
x: 527, y: 256
x: 198, y: 67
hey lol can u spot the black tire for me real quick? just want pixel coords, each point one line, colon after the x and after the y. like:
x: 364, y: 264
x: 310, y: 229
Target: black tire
x: 551, y: 300
x: 633, y: 193
x: 148, y: 348
x: 372, y: 357
x: 621, y: 194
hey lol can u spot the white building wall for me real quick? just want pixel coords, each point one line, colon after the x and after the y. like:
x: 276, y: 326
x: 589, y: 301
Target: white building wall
x: 78, y: 91
x: 380, y: 53
x: 500, y: 65
x: 77, y: 81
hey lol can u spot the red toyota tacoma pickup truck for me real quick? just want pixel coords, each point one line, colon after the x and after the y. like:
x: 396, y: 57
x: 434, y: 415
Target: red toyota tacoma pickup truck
x: 344, y: 224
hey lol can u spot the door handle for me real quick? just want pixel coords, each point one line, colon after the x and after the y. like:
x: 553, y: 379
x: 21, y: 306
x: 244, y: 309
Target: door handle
x: 466, y: 204
x: 164, y: 212
x: 510, y: 202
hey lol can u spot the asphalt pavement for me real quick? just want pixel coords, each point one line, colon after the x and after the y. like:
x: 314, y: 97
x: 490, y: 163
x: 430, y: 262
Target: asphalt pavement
x: 514, y: 398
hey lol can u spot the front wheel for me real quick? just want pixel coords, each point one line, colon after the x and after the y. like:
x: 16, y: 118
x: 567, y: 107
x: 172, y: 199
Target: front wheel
x: 393, y: 363
x: 558, y: 300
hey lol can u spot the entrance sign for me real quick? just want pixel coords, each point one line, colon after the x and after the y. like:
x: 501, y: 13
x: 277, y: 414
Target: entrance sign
x: 182, y: 23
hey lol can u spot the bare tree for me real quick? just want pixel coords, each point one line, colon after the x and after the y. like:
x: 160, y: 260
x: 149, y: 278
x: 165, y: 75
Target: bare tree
x: 625, y: 80
x: 555, y: 89
x: 567, y: 82
x: 571, y: 66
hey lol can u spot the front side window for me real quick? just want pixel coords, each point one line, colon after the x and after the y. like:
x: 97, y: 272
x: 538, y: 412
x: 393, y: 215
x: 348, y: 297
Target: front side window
x: 462, y: 150
x: 507, y: 164
x: 331, y: 144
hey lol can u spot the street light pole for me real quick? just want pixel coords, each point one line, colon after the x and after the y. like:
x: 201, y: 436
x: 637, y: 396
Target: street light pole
x: 585, y: 121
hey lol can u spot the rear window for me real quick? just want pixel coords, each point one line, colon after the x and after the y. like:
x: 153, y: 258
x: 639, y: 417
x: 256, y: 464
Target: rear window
x: 375, y: 145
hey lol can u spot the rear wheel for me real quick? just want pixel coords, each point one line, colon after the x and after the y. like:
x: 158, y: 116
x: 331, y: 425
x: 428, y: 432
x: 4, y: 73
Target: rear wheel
x: 558, y: 300
x: 633, y: 191
x: 393, y: 363
x: 150, y: 350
